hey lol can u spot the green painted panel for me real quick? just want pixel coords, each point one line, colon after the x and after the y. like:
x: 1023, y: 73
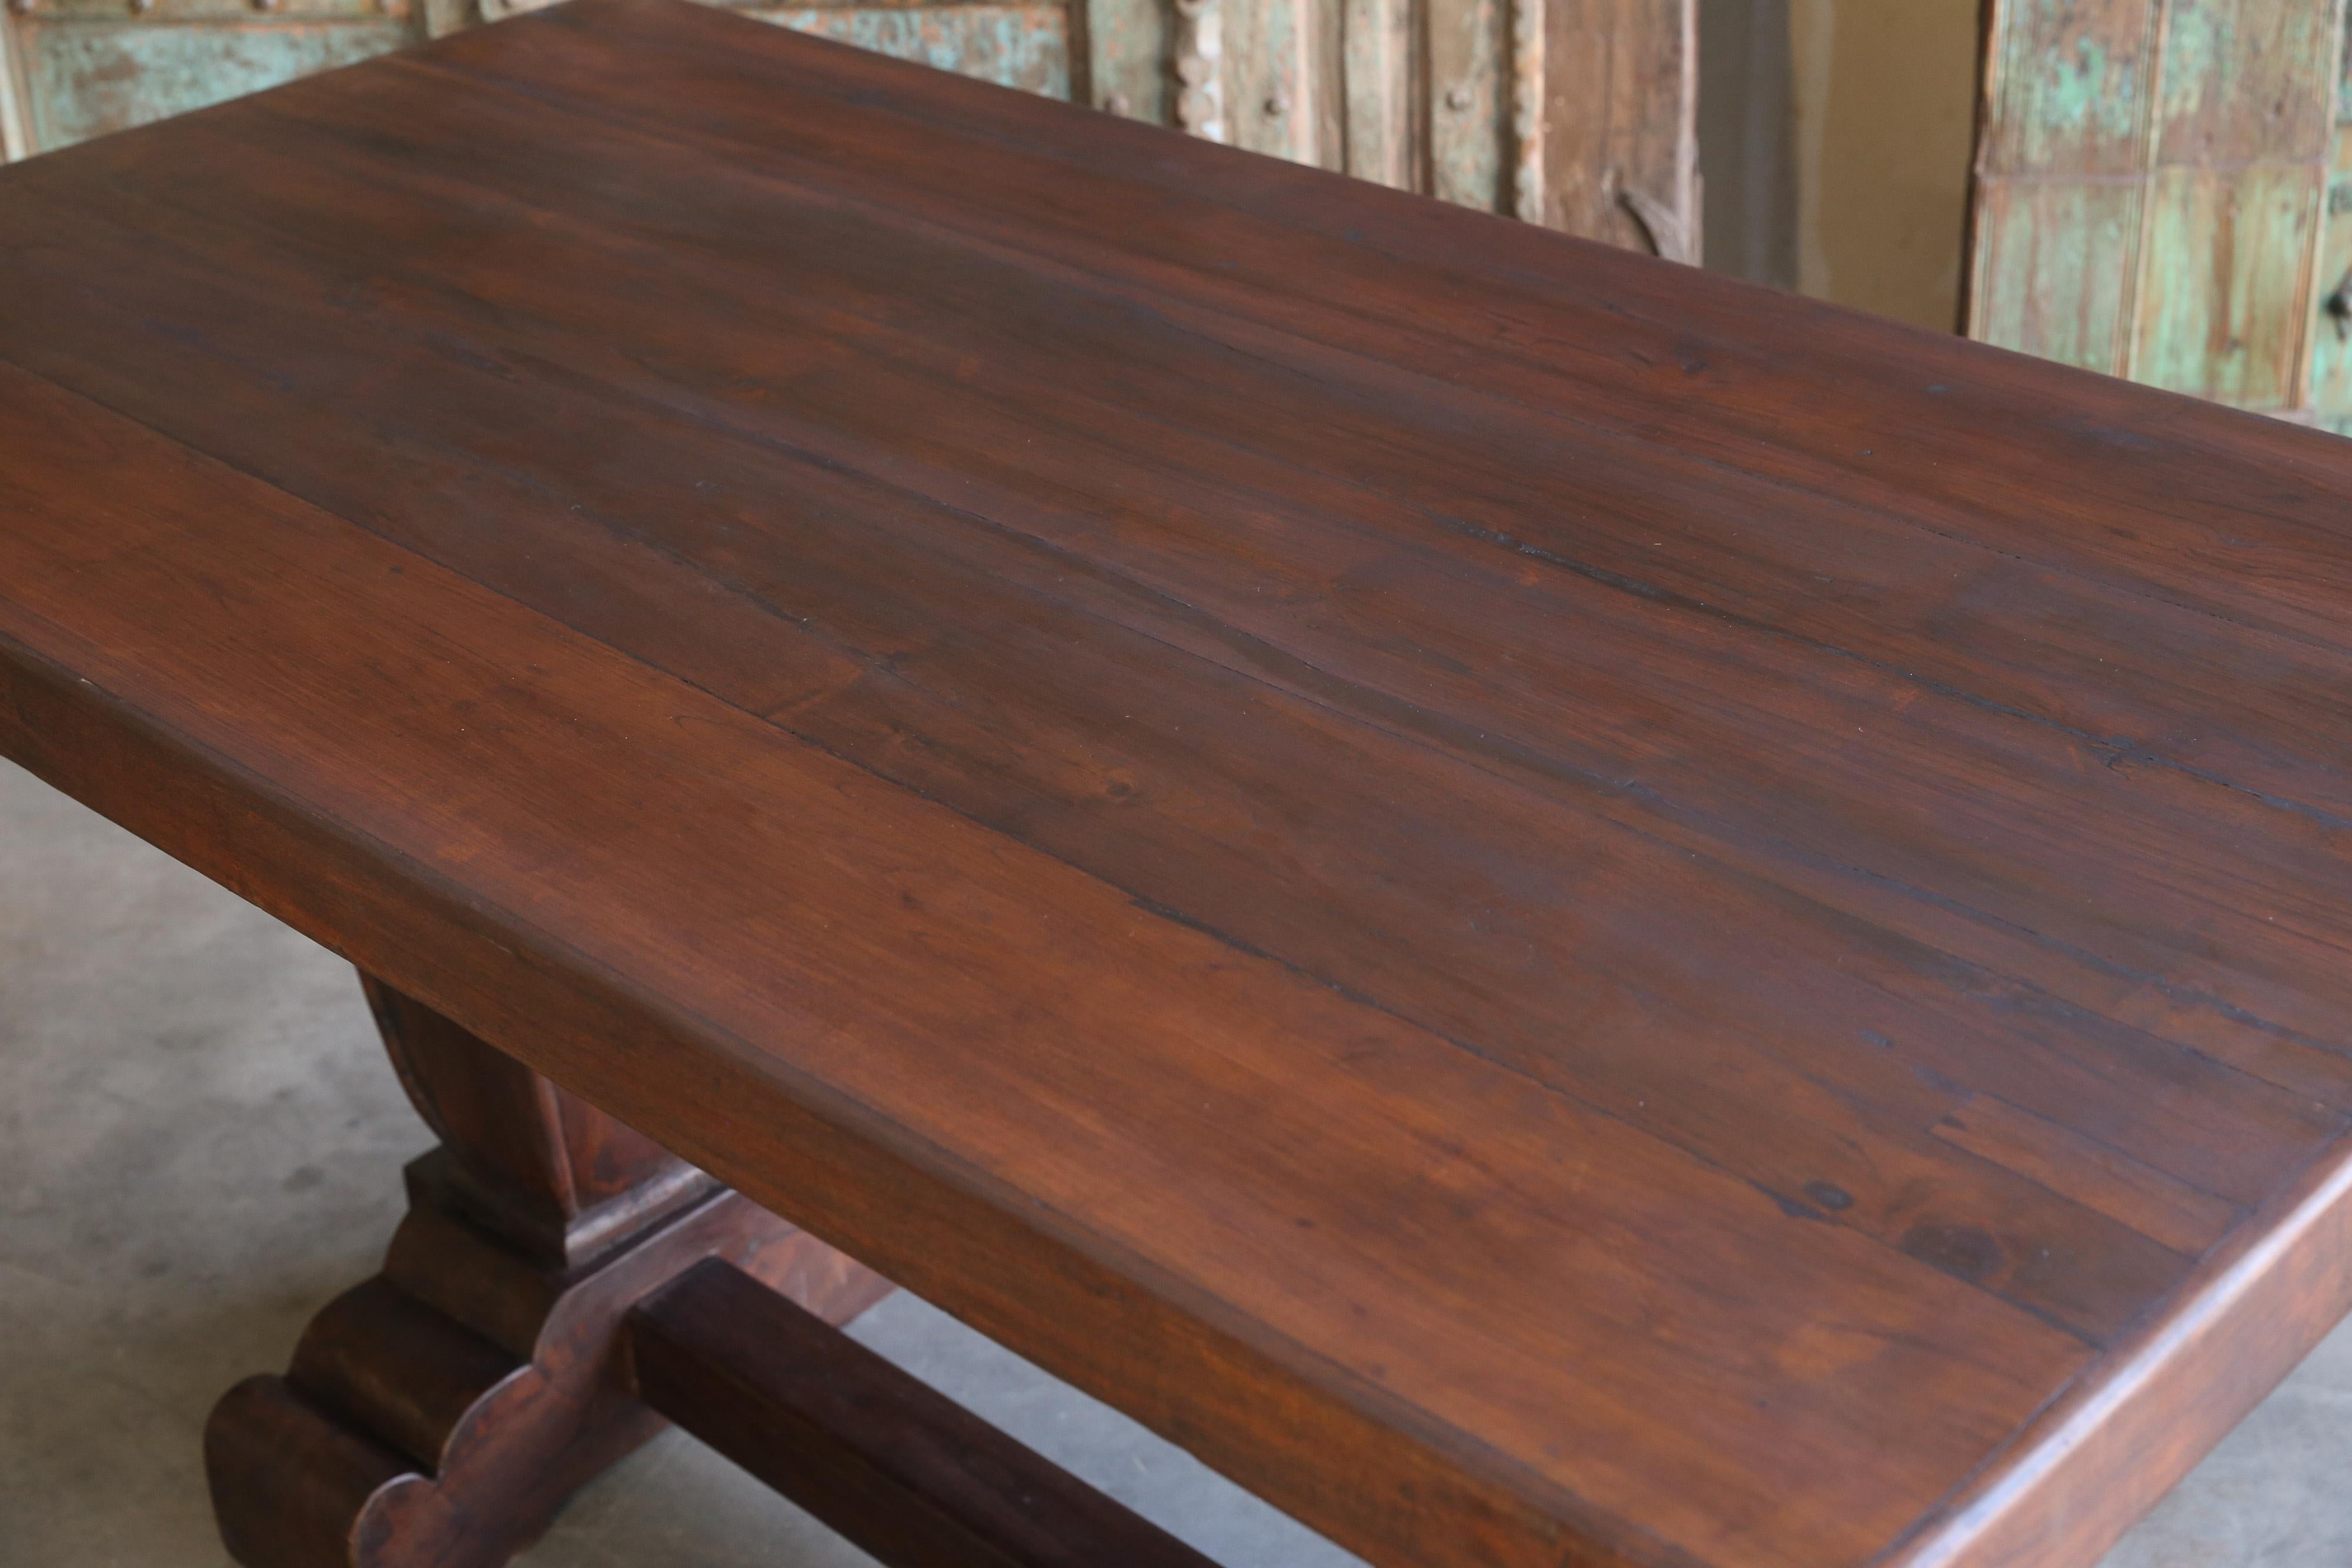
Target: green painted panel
x: 2344, y: 84
x: 1025, y: 46
x: 2245, y: 81
x: 1376, y: 80
x: 12, y: 122
x: 2331, y: 351
x: 86, y: 79
x: 1468, y: 117
x: 2054, y: 268
x: 2225, y: 282
x: 157, y: 13
x: 2070, y: 80
x: 1130, y: 41
x: 2151, y: 179
x: 1268, y: 90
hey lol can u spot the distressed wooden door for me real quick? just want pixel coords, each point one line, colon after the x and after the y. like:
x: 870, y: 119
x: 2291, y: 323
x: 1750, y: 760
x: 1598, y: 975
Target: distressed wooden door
x: 79, y: 68
x: 1029, y: 44
x: 2153, y: 195
x: 1581, y: 114
x: 2331, y: 351
x: 1576, y: 114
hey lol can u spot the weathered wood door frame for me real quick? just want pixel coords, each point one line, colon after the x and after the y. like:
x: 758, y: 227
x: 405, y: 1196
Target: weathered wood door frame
x: 2151, y: 190
x: 14, y: 139
x: 1577, y: 114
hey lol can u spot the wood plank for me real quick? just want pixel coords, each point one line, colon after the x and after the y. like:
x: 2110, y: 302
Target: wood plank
x: 1246, y: 257
x: 1025, y: 46
x: 2108, y: 1450
x: 2055, y: 268
x: 2069, y: 87
x: 2180, y: 147
x: 1268, y: 93
x: 1466, y: 48
x: 12, y: 112
x: 903, y: 1472
x: 311, y: 202
x: 86, y: 79
x: 2152, y: 1203
x: 2059, y: 197
x: 350, y: 469
x: 2225, y: 291
x: 1230, y: 1192
x: 1435, y: 859
x: 1127, y: 46
x: 2331, y: 349
x: 1377, y: 82
x: 2331, y: 343
x: 1621, y: 122
x: 1363, y: 971
x: 2246, y: 81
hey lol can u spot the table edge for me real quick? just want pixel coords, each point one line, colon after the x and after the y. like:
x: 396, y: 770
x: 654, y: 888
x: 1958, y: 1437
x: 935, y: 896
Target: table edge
x: 2074, y: 1480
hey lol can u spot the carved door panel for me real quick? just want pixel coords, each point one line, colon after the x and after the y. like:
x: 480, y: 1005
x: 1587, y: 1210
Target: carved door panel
x: 1580, y: 114
x: 2151, y: 191
x: 1026, y: 46
x: 79, y: 68
x: 2331, y: 348
x: 1575, y: 113
x: 1009, y: 42
x: 1620, y: 158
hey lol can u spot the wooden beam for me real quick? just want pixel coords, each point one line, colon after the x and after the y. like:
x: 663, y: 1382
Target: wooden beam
x: 901, y: 1470
x: 15, y: 136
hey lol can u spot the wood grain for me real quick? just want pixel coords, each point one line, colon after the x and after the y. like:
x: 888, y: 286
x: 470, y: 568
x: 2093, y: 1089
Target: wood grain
x: 438, y: 1415
x: 557, y: 1180
x: 2151, y: 185
x: 1620, y: 123
x: 910, y: 1477
x: 1554, y: 909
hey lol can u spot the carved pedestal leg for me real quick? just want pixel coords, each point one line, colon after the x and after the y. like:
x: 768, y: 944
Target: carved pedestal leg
x: 440, y: 1414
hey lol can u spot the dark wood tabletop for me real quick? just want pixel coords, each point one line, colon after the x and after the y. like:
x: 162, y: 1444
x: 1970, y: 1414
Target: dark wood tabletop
x: 1558, y: 910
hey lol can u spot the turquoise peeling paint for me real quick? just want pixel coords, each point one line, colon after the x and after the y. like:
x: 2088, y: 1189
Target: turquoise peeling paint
x: 88, y: 77
x: 1013, y: 45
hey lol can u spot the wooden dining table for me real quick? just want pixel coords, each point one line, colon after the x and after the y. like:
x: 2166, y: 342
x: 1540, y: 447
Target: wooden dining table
x: 1557, y: 910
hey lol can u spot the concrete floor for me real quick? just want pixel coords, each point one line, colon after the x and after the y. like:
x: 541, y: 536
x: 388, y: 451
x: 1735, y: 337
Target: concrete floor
x: 200, y: 1144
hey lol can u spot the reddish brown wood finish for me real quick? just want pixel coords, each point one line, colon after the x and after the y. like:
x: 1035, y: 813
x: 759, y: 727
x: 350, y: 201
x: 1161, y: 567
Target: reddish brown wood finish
x: 438, y: 1415
x: 911, y: 1478
x: 1557, y: 910
x: 546, y: 1172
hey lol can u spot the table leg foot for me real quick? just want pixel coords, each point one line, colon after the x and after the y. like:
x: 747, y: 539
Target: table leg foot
x: 438, y: 1415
